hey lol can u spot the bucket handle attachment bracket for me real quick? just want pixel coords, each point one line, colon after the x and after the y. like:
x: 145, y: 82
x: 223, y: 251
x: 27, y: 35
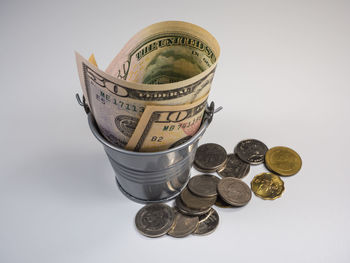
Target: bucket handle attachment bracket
x: 210, y: 111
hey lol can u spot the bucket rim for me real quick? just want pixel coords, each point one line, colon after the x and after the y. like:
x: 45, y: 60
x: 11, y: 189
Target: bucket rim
x: 99, y: 136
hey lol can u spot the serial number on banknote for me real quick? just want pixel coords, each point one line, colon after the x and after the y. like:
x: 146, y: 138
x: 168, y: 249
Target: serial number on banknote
x: 182, y: 125
x: 122, y: 105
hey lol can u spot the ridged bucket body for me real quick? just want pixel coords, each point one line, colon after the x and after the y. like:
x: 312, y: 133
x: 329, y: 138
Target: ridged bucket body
x: 151, y: 176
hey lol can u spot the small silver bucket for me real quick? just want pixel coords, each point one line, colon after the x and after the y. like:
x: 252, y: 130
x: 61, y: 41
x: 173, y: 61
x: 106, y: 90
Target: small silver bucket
x: 147, y: 177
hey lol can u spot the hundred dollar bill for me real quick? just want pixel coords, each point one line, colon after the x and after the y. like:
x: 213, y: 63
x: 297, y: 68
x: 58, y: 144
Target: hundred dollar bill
x: 168, y: 63
x: 163, y: 127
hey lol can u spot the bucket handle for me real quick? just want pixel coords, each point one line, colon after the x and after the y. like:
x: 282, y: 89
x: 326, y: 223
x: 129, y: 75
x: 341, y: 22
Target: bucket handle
x: 209, y: 110
x: 82, y: 103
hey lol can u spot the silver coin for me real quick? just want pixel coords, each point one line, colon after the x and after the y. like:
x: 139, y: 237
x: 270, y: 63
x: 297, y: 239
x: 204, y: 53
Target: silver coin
x: 196, y: 202
x: 210, y: 156
x: 234, y: 191
x: 200, y: 169
x: 207, y: 223
x: 234, y: 167
x: 204, y: 185
x: 251, y: 151
x: 154, y: 220
x: 189, y: 211
x: 183, y: 225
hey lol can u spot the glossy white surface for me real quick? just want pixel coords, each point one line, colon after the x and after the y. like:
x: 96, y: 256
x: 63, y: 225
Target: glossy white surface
x: 283, y: 78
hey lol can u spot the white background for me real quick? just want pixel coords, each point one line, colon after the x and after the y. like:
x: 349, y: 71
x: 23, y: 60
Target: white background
x: 283, y: 78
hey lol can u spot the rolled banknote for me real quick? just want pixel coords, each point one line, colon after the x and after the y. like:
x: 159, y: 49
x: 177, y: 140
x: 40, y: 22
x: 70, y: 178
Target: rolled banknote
x: 166, y: 64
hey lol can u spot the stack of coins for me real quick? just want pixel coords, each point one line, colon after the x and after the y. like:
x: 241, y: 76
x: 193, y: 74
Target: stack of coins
x: 209, y: 158
x: 193, y: 212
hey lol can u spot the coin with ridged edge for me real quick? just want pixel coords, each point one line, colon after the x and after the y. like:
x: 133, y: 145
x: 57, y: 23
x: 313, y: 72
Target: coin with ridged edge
x: 200, y: 169
x: 283, y: 161
x: 189, y: 211
x: 234, y: 191
x: 267, y: 186
x: 196, y: 202
x: 210, y: 156
x: 183, y: 225
x: 204, y: 185
x: 251, y: 151
x: 234, y: 167
x: 207, y: 223
x: 154, y: 220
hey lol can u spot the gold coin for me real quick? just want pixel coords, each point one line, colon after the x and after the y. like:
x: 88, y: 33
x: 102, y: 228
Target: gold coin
x: 267, y: 186
x: 283, y: 161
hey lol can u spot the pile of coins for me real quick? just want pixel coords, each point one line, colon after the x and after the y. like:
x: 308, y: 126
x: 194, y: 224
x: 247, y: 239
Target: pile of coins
x: 193, y: 212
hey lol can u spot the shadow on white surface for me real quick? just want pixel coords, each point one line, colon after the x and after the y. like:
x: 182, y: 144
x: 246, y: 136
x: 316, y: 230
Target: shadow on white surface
x: 70, y: 175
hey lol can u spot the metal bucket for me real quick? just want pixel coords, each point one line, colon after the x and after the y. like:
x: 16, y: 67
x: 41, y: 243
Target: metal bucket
x: 148, y: 177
